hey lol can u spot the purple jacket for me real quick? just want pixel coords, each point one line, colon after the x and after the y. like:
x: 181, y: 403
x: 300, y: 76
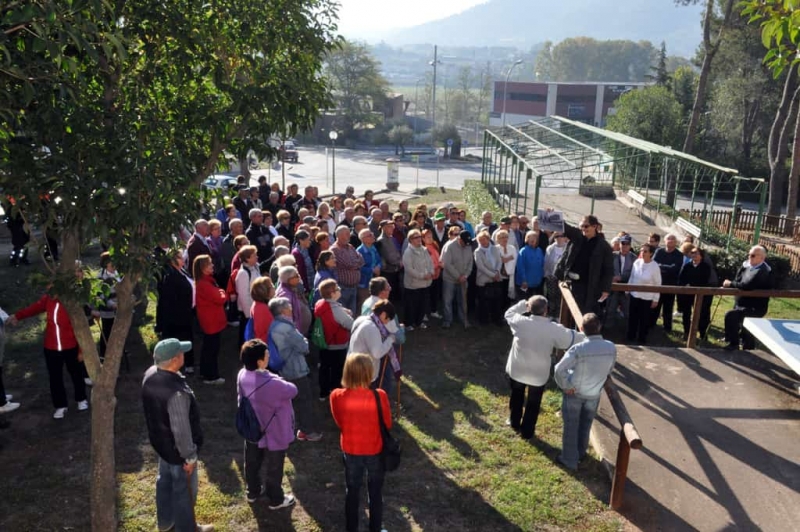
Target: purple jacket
x: 274, y: 397
x: 297, y: 312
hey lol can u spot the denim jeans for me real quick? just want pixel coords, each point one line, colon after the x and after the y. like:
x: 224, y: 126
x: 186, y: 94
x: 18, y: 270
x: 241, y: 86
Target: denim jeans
x: 349, y: 299
x: 578, y: 415
x: 174, y: 503
x: 452, y: 293
x: 254, y: 457
x: 354, y: 468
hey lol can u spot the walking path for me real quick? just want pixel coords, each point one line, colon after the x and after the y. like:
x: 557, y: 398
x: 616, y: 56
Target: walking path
x: 720, y: 433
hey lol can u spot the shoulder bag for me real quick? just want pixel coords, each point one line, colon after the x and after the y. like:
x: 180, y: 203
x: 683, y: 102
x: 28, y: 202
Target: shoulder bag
x: 391, y: 451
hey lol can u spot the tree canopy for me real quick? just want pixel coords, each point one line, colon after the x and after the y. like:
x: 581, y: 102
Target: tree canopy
x: 587, y: 59
x: 651, y: 114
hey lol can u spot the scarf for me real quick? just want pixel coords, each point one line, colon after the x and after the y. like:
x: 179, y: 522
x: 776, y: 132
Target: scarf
x: 491, y: 259
x: 384, y: 335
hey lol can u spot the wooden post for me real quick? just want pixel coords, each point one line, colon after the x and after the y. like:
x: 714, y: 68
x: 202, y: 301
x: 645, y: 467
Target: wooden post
x: 698, y: 304
x: 620, y: 471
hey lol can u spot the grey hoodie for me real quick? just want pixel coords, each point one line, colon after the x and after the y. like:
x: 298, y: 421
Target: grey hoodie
x: 457, y: 261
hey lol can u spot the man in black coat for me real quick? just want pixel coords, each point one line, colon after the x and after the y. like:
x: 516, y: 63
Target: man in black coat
x: 588, y: 262
x: 259, y: 235
x: 755, y: 274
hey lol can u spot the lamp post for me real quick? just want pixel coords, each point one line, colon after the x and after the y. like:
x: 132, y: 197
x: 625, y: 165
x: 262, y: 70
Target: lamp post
x: 333, y: 135
x: 416, y: 108
x: 434, y: 64
x: 505, y: 88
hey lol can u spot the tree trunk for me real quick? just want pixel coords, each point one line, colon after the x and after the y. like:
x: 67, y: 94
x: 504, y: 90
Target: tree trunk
x: 102, y: 476
x: 794, y: 181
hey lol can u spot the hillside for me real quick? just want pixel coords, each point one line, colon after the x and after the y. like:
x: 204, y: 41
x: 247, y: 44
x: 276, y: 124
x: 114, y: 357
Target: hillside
x: 523, y: 23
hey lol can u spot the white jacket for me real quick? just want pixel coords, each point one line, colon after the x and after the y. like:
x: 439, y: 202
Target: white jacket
x: 535, y: 337
x: 513, y: 252
x: 366, y: 338
x: 645, y: 273
x: 243, y: 283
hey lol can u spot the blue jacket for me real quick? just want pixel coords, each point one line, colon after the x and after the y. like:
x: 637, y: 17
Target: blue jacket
x: 585, y: 367
x: 292, y: 346
x: 530, y: 266
x: 371, y: 259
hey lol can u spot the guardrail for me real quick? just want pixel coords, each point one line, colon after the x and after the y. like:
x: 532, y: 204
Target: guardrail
x: 628, y: 435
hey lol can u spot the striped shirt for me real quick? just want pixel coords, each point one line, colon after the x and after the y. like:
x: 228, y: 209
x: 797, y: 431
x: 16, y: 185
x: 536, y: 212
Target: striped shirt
x: 348, y: 265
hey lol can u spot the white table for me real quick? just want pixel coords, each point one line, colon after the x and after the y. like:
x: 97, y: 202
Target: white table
x: 782, y: 337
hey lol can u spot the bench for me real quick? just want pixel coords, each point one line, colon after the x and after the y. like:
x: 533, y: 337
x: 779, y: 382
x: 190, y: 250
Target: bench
x: 687, y: 226
x: 636, y: 197
x: 782, y: 337
x: 503, y: 199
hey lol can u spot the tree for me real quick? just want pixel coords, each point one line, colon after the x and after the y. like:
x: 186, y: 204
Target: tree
x: 660, y: 75
x: 357, y: 85
x: 485, y: 81
x: 651, y: 114
x: 545, y: 70
x: 400, y: 136
x: 117, y: 111
x: 710, y: 47
x: 779, y: 33
x: 587, y: 59
x: 684, y: 86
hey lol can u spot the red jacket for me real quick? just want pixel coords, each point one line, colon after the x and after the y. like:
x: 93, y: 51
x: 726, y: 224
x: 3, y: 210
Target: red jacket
x: 356, y: 413
x: 335, y: 334
x: 262, y: 319
x: 210, y: 303
x: 58, y: 333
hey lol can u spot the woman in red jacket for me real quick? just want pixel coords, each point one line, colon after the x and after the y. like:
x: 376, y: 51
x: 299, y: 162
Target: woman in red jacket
x: 210, y: 302
x: 355, y: 411
x: 336, y: 323
x: 60, y: 347
x: 261, y: 292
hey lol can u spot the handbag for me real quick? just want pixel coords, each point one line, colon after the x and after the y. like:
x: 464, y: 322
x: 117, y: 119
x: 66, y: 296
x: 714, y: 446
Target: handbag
x: 391, y: 451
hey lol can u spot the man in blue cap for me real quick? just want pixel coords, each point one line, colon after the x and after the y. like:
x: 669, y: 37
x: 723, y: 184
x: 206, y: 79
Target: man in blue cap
x: 173, y: 425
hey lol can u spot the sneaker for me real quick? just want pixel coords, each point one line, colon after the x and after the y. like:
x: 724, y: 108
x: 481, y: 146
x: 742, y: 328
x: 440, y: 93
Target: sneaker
x: 83, y: 405
x: 59, y: 413
x: 233, y: 324
x: 215, y: 382
x: 189, y: 370
x: 423, y: 326
x: 251, y: 498
x: 9, y: 397
x: 288, y: 500
x: 323, y: 398
x: 8, y: 407
x: 88, y: 382
x: 409, y: 328
x: 311, y: 436
x: 436, y: 315
x: 425, y: 318
x: 204, y: 528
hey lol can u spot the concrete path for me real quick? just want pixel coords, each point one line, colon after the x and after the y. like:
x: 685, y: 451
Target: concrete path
x: 720, y: 433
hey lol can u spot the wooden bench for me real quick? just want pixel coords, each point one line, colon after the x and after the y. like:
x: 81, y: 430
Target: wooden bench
x: 636, y: 197
x: 689, y: 227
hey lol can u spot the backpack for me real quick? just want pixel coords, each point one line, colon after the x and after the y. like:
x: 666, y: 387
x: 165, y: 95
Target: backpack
x: 276, y: 361
x: 231, y: 288
x: 249, y: 330
x: 318, y: 335
x: 247, y: 424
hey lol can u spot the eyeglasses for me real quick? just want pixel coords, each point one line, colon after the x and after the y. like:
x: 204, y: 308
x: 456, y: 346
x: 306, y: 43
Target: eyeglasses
x: 585, y: 226
x: 753, y: 255
x: 415, y: 237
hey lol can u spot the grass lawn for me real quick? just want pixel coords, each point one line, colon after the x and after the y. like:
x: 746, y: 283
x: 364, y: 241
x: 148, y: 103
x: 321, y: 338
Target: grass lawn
x: 462, y: 468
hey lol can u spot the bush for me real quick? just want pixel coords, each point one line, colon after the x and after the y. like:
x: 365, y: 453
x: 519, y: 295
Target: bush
x: 728, y: 263
x: 478, y: 200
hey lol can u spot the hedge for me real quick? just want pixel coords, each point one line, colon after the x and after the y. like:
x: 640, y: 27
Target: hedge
x: 478, y: 199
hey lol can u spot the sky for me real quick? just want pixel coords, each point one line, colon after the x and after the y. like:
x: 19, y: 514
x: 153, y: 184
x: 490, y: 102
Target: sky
x: 366, y: 19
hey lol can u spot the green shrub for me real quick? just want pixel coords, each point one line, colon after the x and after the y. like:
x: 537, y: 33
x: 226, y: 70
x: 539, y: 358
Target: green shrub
x: 478, y: 200
x: 728, y: 264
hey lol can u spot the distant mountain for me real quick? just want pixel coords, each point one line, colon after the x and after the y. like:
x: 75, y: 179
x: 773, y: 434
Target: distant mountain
x: 523, y: 23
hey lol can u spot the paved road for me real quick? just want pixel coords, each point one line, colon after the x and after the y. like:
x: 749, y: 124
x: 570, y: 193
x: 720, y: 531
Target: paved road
x: 367, y: 169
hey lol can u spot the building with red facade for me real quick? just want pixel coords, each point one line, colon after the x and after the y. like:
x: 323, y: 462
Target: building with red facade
x: 589, y: 102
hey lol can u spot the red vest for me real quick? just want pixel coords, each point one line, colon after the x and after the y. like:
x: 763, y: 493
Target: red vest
x: 335, y: 334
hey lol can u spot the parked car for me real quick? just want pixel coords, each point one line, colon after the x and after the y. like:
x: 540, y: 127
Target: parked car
x: 288, y: 152
x: 219, y: 181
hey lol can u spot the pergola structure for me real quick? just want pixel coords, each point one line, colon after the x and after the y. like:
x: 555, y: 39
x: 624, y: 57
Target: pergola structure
x: 556, y: 152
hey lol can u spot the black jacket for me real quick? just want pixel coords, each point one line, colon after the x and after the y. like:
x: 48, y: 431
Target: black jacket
x: 174, y: 308
x: 601, y: 265
x: 260, y: 237
x: 157, y: 389
x: 749, y: 278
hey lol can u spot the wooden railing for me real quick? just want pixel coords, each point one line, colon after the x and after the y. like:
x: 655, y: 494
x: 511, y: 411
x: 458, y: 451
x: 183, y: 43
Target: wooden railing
x: 628, y: 435
x: 746, y: 221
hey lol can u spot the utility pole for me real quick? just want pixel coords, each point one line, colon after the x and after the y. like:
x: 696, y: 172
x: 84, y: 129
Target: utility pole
x: 434, y: 63
x: 505, y: 88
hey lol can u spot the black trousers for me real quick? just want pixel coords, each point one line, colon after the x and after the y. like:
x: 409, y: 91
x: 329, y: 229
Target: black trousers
x: 414, y: 304
x: 733, y: 326
x: 393, y: 278
x: 525, y: 424
x: 105, y: 333
x: 209, y: 368
x: 2, y: 389
x: 55, y: 361
x: 666, y: 305
x: 639, y: 319
x: 184, y: 334
x: 254, y: 458
x: 686, y: 307
x: 490, y: 302
x: 242, y: 326
x: 435, y: 292
x: 331, y: 366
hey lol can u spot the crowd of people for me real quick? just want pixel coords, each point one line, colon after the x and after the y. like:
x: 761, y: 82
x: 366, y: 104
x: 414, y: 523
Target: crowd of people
x: 292, y: 272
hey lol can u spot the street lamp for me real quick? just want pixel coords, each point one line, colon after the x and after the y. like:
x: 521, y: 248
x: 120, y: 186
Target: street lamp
x: 505, y: 88
x: 434, y: 64
x: 333, y: 135
x: 416, y: 108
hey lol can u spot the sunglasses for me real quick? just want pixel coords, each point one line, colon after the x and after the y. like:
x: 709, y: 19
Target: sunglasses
x: 752, y: 255
x: 585, y: 226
